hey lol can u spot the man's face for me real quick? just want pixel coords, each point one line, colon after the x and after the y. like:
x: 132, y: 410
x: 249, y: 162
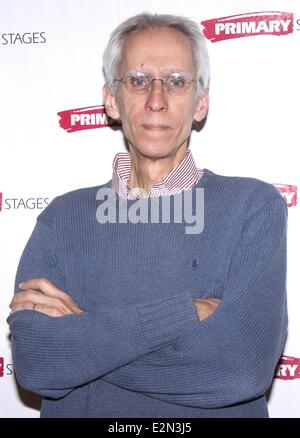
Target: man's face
x: 156, y: 124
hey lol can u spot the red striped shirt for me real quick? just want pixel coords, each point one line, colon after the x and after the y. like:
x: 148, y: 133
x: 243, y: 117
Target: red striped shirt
x: 182, y: 177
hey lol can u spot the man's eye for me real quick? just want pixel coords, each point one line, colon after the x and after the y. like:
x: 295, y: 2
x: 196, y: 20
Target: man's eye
x: 138, y: 82
x: 177, y: 82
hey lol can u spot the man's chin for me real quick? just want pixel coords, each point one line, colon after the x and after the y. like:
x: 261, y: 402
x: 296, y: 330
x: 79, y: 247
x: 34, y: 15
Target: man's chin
x: 156, y: 153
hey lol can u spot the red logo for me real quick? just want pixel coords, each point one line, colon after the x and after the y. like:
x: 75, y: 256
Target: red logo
x: 0, y: 201
x: 288, y: 368
x: 90, y: 117
x: 289, y: 193
x: 248, y: 24
x: 1, y: 366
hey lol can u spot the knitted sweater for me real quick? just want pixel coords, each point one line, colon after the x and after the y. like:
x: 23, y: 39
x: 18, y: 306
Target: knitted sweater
x: 139, y: 348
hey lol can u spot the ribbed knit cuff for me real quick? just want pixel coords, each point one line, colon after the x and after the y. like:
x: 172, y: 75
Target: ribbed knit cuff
x: 166, y: 319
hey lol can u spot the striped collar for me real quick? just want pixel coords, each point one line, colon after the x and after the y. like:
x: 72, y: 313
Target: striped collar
x: 182, y: 177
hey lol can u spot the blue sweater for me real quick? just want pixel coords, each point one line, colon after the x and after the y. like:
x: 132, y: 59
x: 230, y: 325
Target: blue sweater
x: 139, y: 348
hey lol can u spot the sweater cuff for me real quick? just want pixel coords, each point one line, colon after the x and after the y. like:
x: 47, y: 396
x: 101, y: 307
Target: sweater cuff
x: 166, y: 319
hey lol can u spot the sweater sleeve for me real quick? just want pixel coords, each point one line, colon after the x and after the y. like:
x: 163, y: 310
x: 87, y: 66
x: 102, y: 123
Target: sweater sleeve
x: 230, y: 357
x: 53, y: 355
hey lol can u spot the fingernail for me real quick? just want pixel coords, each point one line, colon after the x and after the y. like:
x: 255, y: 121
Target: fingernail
x: 21, y: 284
x: 76, y: 310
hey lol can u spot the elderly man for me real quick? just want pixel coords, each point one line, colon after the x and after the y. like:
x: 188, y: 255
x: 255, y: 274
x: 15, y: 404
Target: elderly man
x: 120, y: 315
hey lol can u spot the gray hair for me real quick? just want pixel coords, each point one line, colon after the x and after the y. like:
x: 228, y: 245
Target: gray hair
x: 113, y: 52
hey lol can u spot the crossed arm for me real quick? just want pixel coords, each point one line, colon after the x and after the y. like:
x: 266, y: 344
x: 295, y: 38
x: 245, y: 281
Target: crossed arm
x: 58, y: 336
x: 249, y: 325
x: 41, y: 295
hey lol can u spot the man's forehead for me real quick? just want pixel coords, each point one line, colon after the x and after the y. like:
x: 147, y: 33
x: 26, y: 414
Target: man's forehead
x: 168, y: 48
x: 163, y: 34
x: 163, y: 71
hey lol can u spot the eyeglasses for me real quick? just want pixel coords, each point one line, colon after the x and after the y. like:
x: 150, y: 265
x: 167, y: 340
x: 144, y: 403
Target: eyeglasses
x: 139, y: 83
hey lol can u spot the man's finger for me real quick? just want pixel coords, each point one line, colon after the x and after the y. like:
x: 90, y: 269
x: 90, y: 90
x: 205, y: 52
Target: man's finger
x: 48, y: 288
x: 41, y: 284
x: 30, y: 298
x: 50, y: 311
x: 30, y: 295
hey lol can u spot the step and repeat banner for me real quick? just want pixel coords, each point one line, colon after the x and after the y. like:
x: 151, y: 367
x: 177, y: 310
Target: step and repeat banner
x: 55, y: 135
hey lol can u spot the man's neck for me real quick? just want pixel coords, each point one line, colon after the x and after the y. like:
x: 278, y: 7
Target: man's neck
x: 146, y: 171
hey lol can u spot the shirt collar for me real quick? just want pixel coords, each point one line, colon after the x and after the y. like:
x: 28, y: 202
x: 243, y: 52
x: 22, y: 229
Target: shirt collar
x: 182, y: 177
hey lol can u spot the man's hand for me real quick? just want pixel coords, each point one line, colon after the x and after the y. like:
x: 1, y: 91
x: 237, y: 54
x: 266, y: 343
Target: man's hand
x: 41, y: 295
x: 206, y: 307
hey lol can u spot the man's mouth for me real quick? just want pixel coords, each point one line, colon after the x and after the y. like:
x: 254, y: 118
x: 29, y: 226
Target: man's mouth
x: 152, y: 127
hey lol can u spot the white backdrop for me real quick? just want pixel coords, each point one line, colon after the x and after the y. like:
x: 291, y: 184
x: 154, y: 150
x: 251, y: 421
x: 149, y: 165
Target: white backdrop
x: 50, y: 62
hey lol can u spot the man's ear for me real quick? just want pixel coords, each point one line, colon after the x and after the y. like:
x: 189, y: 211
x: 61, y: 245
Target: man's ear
x: 110, y: 103
x: 202, y: 106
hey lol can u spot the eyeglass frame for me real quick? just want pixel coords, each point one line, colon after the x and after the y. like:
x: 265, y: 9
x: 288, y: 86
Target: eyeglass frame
x: 140, y: 74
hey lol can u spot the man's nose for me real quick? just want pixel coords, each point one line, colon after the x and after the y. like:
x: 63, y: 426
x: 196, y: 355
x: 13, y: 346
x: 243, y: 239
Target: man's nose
x: 157, y: 98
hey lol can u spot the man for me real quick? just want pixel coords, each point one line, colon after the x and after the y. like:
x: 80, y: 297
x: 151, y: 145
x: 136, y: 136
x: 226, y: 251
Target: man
x: 121, y: 315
